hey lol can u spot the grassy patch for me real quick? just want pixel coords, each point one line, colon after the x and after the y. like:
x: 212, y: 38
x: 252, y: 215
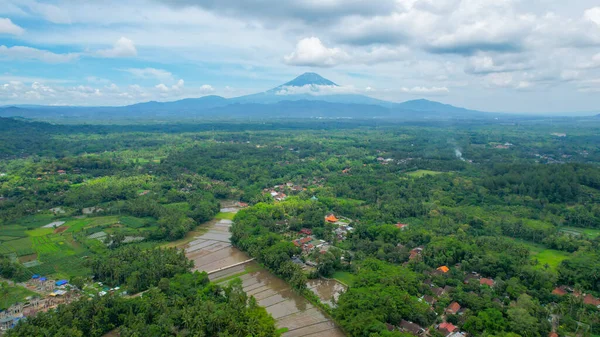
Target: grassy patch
x: 15, y: 294
x: 422, y: 173
x: 344, y: 277
x: 225, y: 216
x: 545, y: 256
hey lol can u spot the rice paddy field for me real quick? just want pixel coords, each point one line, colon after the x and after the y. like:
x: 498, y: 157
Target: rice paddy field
x: 61, y: 251
x: 589, y: 232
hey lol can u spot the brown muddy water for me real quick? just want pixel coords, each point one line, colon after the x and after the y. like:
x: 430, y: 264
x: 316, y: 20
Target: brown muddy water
x: 327, y: 290
x: 213, y: 252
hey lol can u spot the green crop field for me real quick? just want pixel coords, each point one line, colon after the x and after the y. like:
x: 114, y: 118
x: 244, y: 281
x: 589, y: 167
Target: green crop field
x: 344, y: 277
x: 422, y: 173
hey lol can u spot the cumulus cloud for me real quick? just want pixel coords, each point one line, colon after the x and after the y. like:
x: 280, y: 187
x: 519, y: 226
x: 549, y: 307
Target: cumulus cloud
x: 313, y: 53
x: 28, y: 53
x: 124, y: 47
x: 486, y: 64
x: 8, y: 27
x: 593, y: 14
x: 206, y: 89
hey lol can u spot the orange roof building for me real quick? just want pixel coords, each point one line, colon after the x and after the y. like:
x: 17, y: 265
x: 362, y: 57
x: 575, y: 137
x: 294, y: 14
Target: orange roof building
x: 453, y: 308
x: 444, y: 269
x: 331, y: 218
x: 449, y: 327
x: 486, y: 281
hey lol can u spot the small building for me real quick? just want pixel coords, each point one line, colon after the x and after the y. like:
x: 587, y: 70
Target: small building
x: 61, y: 282
x: 486, y: 281
x: 331, y: 218
x: 559, y: 291
x: 306, y: 231
x: 412, y: 328
x: 443, y: 269
x: 401, y: 226
x: 446, y: 328
x: 453, y: 308
x: 591, y: 300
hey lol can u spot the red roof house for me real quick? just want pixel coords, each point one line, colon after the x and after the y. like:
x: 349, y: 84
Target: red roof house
x: 453, y: 308
x: 306, y: 231
x: 446, y: 328
x: 401, y: 226
x: 591, y: 300
x: 559, y: 291
x: 486, y: 281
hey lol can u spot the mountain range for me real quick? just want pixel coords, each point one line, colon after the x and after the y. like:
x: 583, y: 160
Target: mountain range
x: 307, y: 96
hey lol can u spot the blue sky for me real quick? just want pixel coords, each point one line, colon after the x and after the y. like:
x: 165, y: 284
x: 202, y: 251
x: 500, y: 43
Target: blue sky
x: 493, y: 55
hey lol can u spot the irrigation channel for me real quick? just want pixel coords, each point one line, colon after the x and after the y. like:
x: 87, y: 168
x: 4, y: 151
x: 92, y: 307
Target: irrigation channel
x: 212, y: 252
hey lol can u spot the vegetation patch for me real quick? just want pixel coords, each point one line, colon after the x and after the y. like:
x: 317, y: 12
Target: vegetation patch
x: 422, y: 173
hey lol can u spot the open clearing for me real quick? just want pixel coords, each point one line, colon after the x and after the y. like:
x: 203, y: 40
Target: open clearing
x: 422, y: 173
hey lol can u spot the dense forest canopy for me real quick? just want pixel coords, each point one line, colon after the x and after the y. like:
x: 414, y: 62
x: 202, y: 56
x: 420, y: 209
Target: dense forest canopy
x: 515, y: 206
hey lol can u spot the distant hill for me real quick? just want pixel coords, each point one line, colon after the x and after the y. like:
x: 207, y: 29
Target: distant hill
x: 307, y: 96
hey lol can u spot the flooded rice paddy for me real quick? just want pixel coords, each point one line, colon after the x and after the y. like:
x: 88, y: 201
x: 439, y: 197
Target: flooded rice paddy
x: 212, y: 252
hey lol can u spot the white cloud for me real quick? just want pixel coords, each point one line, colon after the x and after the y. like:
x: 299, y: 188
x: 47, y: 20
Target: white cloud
x: 8, y: 27
x: 426, y: 90
x: 593, y: 14
x: 28, y: 53
x: 160, y: 74
x: 124, y: 47
x: 162, y: 87
x: 311, y: 52
x: 49, y: 93
x: 206, y: 89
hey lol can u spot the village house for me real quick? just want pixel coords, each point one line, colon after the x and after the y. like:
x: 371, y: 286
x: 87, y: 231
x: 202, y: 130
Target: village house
x: 446, y: 328
x: 559, y: 291
x: 306, y: 231
x: 401, y: 226
x: 486, y: 281
x: 416, y: 252
x: 453, y: 308
x: 443, y: 269
x: 437, y: 291
x: 412, y: 328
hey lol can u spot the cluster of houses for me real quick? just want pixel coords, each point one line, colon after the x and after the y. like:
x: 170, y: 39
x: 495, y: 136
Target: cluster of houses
x: 278, y: 192
x: 446, y: 329
x: 53, y: 293
x: 506, y: 145
x: 588, y: 299
x: 310, y: 244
